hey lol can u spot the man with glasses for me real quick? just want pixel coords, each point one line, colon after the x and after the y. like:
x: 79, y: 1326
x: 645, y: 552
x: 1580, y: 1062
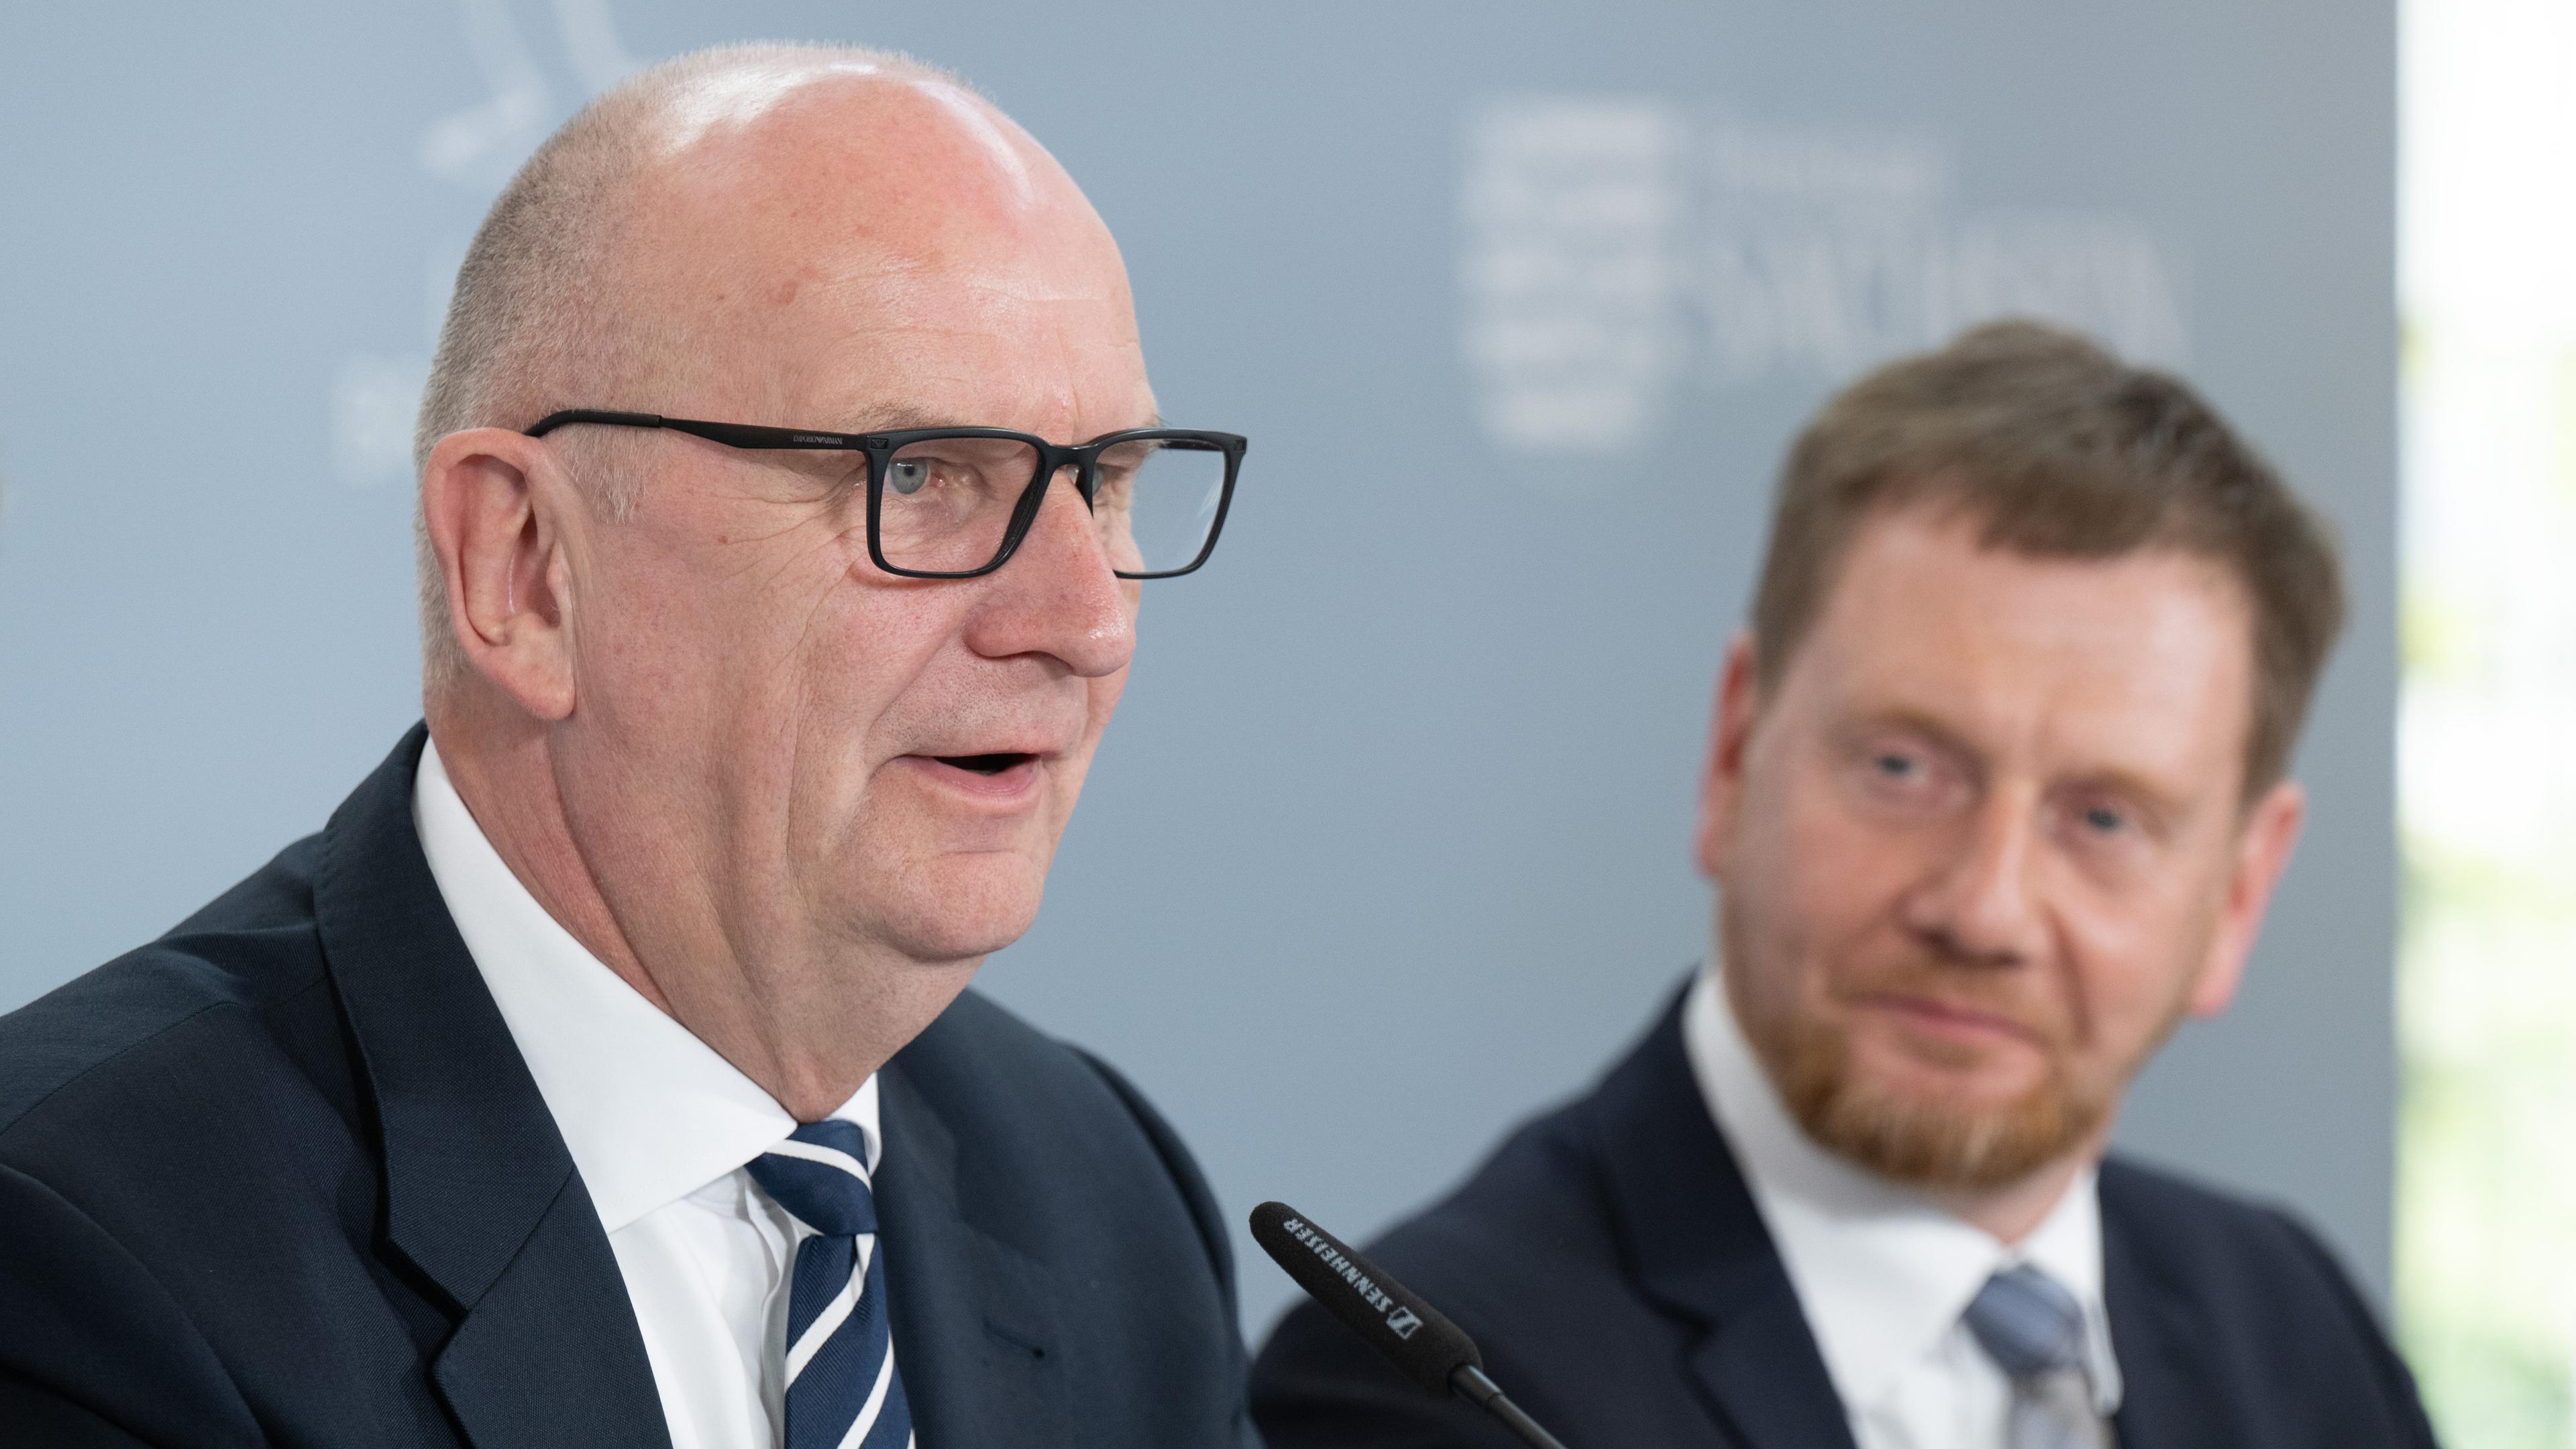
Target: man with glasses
x: 604, y: 1073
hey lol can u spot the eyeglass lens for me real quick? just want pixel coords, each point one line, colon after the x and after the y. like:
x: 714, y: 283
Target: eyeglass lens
x: 947, y: 502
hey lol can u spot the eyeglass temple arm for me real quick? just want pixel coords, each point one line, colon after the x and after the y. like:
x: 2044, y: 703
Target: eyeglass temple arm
x: 732, y: 435
x: 568, y: 416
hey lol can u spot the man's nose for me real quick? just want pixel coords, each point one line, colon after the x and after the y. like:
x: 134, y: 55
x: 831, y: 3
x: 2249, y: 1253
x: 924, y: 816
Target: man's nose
x: 1980, y: 903
x: 1059, y: 594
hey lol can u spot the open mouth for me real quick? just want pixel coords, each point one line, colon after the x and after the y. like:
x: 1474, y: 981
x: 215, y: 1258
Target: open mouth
x: 983, y: 764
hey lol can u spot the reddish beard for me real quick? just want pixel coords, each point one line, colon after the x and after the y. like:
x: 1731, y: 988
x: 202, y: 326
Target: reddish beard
x: 1923, y: 1139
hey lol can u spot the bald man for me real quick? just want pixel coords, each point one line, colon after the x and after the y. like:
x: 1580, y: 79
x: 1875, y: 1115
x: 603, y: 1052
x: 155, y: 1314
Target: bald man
x: 604, y: 1072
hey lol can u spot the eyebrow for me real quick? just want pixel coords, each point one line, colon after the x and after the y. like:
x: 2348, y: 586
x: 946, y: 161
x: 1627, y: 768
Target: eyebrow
x: 1867, y: 722
x: 2161, y: 803
x: 902, y: 419
x: 895, y: 420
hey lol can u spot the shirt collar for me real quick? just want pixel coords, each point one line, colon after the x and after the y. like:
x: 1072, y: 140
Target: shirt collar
x: 1882, y: 1272
x: 649, y: 1112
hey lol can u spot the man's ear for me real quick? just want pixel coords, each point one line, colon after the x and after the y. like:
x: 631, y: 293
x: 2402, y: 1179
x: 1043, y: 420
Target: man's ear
x: 2263, y: 846
x: 492, y: 500
x: 1730, y: 730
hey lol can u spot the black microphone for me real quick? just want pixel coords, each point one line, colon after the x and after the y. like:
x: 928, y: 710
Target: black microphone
x: 1415, y: 1336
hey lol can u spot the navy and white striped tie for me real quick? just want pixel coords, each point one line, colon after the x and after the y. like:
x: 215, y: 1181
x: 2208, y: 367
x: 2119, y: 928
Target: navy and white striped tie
x: 842, y: 1388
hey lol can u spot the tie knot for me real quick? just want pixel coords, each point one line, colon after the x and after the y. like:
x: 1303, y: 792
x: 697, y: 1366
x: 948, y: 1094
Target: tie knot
x: 2028, y: 1323
x: 820, y: 1174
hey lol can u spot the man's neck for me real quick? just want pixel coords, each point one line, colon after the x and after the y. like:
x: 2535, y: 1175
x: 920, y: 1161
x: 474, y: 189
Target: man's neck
x: 2015, y: 1211
x: 508, y: 788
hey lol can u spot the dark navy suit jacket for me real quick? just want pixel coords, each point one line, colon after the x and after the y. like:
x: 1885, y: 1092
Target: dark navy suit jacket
x: 1611, y: 1263
x: 281, y: 1177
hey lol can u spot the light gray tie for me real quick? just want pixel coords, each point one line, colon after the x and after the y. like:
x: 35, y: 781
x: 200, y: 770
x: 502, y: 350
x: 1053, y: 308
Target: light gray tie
x: 2034, y: 1330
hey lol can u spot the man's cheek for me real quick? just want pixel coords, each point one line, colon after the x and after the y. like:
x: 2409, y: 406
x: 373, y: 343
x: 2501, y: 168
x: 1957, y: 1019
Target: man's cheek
x: 2122, y: 971
x: 1853, y: 874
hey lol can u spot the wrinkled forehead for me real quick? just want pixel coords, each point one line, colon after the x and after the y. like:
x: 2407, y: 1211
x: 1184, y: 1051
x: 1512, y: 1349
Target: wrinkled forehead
x: 2141, y: 662
x: 797, y: 226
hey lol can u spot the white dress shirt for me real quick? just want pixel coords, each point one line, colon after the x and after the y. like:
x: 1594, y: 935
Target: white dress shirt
x: 660, y: 1128
x: 1883, y: 1274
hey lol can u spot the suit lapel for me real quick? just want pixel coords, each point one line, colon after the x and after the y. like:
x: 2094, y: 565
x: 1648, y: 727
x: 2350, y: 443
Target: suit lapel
x: 1762, y: 1368
x: 1701, y: 1251
x: 550, y: 1354
x: 974, y: 1330
x: 2167, y: 1387
x: 482, y: 1205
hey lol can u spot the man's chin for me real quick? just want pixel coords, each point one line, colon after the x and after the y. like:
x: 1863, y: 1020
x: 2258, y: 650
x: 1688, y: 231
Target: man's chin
x: 969, y: 920
x: 1938, y: 1140
x: 1952, y: 1118
x: 943, y: 940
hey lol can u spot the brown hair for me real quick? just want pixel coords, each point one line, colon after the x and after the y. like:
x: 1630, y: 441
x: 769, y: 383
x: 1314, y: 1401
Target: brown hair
x: 2058, y: 450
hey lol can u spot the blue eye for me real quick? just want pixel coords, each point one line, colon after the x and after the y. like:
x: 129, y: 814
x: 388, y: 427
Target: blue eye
x: 2104, y: 819
x: 1896, y: 766
x: 906, y: 475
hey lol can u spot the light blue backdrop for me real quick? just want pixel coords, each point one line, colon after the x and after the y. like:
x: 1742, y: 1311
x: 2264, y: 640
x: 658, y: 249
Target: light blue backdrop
x: 1389, y: 845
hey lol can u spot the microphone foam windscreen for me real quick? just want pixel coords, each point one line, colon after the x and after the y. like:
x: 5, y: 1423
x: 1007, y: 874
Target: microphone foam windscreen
x: 1411, y: 1333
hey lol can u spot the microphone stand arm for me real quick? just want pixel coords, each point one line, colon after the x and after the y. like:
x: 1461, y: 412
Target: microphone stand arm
x: 1474, y: 1387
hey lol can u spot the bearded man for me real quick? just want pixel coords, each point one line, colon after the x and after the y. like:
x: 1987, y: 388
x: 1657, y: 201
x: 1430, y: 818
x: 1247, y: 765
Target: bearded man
x: 1995, y: 797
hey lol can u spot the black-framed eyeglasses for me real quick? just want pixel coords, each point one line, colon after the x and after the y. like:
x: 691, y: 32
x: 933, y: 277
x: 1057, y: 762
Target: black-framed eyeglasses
x: 954, y: 503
